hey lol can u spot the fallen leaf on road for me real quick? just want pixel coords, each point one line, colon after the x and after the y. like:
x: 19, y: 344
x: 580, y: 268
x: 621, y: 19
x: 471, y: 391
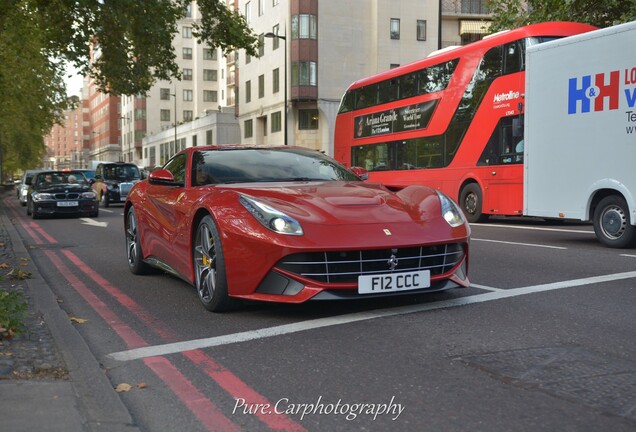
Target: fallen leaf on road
x: 4, y: 266
x: 77, y: 320
x: 142, y: 385
x: 123, y: 387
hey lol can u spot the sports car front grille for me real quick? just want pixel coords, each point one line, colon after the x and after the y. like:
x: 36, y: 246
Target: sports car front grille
x: 346, y: 266
x: 65, y: 196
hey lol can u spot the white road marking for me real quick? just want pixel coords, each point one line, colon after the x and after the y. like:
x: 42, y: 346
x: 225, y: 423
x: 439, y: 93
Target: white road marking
x: 532, y: 228
x: 159, y: 350
x: 484, y: 287
x: 518, y: 244
x: 93, y: 222
x: 628, y: 255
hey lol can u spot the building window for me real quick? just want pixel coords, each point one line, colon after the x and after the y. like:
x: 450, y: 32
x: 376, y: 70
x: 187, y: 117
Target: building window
x: 275, y: 2
x: 261, y: 45
x: 164, y: 94
x: 187, y: 95
x: 303, y: 74
x: 194, y: 140
x: 261, y: 7
x: 210, y: 96
x: 165, y: 115
x: 187, y: 74
x: 275, y: 41
x: 248, y: 59
x: 261, y: 86
x: 276, y: 80
x: 248, y: 91
x: 249, y: 128
x: 304, y: 27
x: 187, y: 53
x: 187, y: 115
x: 248, y: 12
x: 209, y: 75
x: 421, y: 30
x: 394, y: 65
x: 308, y: 119
x: 276, y: 122
x: 395, y: 28
x: 209, y: 54
x: 208, y: 137
x: 187, y: 32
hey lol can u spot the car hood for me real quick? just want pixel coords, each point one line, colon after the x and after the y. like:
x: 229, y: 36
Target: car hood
x: 344, y: 203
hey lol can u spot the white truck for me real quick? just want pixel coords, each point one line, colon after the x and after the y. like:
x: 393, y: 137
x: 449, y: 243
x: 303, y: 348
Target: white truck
x: 580, y: 132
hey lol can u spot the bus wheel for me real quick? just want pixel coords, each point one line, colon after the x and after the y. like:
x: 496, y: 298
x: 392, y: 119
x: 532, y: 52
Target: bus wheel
x: 470, y: 202
x: 611, y: 223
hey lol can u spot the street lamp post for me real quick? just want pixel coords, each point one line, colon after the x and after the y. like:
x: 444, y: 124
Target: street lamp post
x: 284, y: 39
x: 175, y: 116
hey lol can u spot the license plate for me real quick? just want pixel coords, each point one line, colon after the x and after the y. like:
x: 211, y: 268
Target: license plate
x: 67, y: 203
x: 391, y: 282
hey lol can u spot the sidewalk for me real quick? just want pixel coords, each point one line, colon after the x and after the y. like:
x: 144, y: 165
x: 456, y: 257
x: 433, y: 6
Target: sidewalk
x: 49, y: 378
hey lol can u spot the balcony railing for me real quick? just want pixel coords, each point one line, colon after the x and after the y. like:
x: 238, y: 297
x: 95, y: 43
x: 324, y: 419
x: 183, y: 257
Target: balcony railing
x: 465, y: 7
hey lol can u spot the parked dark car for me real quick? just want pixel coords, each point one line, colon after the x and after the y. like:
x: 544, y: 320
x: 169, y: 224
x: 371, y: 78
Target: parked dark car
x: 114, y: 180
x: 54, y: 193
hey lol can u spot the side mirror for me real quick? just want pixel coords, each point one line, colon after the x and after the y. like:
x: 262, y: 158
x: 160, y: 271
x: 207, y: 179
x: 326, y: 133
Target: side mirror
x: 163, y: 177
x: 360, y: 172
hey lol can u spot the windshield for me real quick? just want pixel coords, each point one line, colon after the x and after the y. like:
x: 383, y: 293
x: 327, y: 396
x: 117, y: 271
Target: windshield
x: 55, y: 179
x: 121, y: 172
x: 267, y: 165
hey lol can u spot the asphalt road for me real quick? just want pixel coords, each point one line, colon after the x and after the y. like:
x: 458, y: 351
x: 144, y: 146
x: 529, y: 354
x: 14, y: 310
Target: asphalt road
x: 543, y: 340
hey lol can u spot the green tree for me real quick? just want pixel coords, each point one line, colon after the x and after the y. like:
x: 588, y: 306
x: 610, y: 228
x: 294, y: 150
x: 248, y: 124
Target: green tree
x: 132, y: 39
x: 509, y: 14
x: 32, y: 93
x: 124, y: 45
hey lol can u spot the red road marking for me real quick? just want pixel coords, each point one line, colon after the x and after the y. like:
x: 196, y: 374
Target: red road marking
x: 207, y: 412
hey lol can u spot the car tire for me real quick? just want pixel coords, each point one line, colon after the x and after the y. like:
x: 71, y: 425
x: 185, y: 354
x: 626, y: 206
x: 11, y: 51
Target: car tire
x: 106, y: 200
x: 209, y: 267
x: 28, y: 209
x: 134, y: 254
x: 470, y: 200
x: 611, y: 223
x: 95, y: 213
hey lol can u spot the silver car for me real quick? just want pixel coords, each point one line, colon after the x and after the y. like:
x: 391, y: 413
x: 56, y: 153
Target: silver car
x: 23, y: 188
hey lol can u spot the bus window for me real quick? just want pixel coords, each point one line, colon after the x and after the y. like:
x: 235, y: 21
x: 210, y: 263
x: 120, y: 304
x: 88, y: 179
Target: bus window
x: 388, y: 91
x: 347, y: 102
x: 373, y: 157
x: 513, y: 57
x: 408, y: 85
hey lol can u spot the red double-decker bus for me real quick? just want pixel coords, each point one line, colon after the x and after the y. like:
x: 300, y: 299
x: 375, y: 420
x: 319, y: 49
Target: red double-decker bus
x: 452, y: 121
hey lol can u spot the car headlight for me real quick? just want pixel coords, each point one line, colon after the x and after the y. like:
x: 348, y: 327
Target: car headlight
x: 41, y: 196
x: 451, y: 211
x: 89, y: 195
x: 271, y: 218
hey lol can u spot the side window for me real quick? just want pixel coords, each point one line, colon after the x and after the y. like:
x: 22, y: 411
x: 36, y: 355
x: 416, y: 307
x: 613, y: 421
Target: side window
x: 513, y: 57
x: 177, y: 166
